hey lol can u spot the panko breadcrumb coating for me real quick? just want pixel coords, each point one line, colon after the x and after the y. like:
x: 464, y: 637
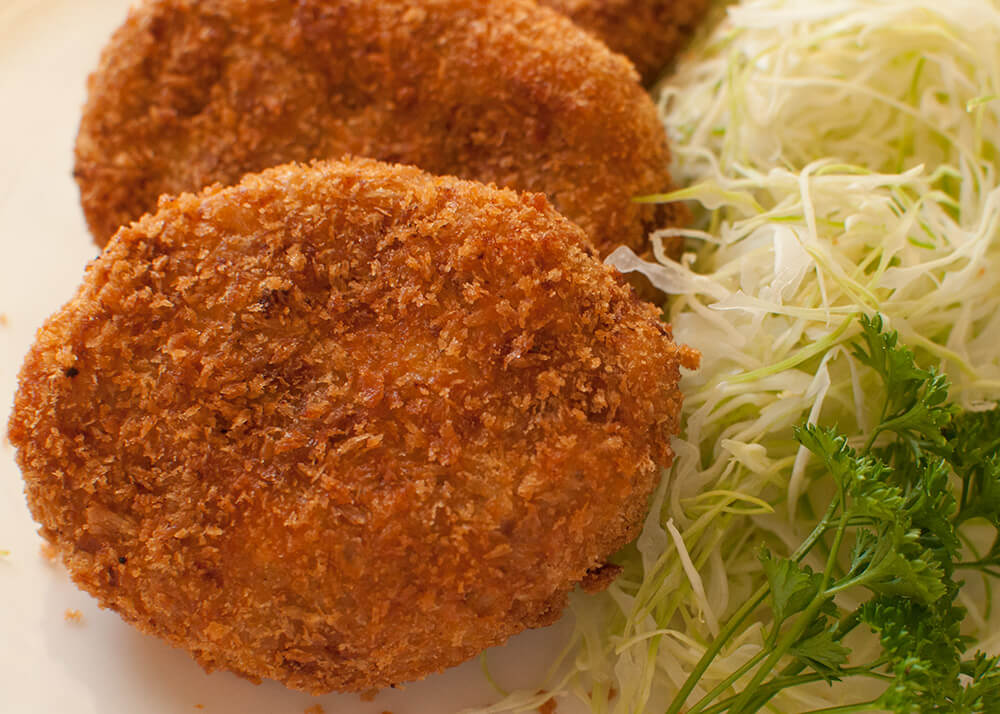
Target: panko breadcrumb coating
x: 192, y: 92
x: 347, y: 424
x: 648, y: 32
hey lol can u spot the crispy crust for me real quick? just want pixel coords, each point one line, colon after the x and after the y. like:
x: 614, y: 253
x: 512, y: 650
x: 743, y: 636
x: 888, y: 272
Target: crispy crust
x: 344, y: 425
x: 192, y: 92
x: 648, y: 32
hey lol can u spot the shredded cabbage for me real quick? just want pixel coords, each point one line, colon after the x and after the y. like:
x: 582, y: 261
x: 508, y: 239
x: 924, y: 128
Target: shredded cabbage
x: 842, y: 159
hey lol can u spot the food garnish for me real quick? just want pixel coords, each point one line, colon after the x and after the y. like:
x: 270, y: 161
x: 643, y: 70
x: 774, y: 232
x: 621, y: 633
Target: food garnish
x: 891, y: 543
x: 841, y: 160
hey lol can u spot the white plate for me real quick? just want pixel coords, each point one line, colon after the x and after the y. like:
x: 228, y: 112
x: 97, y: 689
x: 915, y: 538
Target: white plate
x: 49, y: 665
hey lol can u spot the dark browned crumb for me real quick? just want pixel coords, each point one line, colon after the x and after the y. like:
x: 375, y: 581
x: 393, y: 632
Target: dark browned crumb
x: 598, y: 579
x: 315, y: 709
x: 345, y: 425
x: 648, y: 32
x: 192, y: 92
x: 548, y: 707
x: 612, y: 693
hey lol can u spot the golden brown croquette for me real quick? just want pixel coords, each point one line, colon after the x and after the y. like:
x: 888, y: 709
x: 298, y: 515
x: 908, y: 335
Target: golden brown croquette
x: 192, y: 92
x: 347, y: 424
x: 648, y: 32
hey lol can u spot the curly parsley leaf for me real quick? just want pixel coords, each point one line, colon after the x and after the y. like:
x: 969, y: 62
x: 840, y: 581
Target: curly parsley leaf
x: 792, y: 586
x: 890, y: 561
x: 821, y: 651
x: 915, y: 405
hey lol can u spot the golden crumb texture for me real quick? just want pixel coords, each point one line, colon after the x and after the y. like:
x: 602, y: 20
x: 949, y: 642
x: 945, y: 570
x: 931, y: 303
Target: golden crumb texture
x: 648, y: 32
x: 193, y: 92
x: 346, y: 424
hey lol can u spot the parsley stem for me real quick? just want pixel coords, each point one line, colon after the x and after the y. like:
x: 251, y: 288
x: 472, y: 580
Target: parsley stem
x: 982, y: 568
x: 838, y: 538
x: 846, y: 624
x: 712, y: 652
x: 877, y: 430
x: 792, y: 635
x: 818, y: 531
x: 871, y: 441
x: 987, y: 562
x: 860, y: 579
x: 844, y: 627
x: 778, y: 684
x: 789, y: 638
x: 744, y: 612
x: 846, y: 708
x: 727, y: 682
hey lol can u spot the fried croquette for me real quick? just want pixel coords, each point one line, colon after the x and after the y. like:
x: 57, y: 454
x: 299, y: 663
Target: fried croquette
x: 346, y: 424
x: 193, y: 92
x: 648, y: 32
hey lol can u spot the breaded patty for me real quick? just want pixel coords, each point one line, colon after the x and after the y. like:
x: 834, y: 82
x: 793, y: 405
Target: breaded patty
x: 648, y: 32
x: 346, y: 424
x: 192, y: 92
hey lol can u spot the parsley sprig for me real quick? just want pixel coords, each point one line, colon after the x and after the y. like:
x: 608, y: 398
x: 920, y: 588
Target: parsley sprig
x: 893, y: 537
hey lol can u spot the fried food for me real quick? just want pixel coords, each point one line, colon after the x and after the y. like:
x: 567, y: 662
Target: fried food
x: 192, y: 92
x: 346, y: 424
x: 648, y: 32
